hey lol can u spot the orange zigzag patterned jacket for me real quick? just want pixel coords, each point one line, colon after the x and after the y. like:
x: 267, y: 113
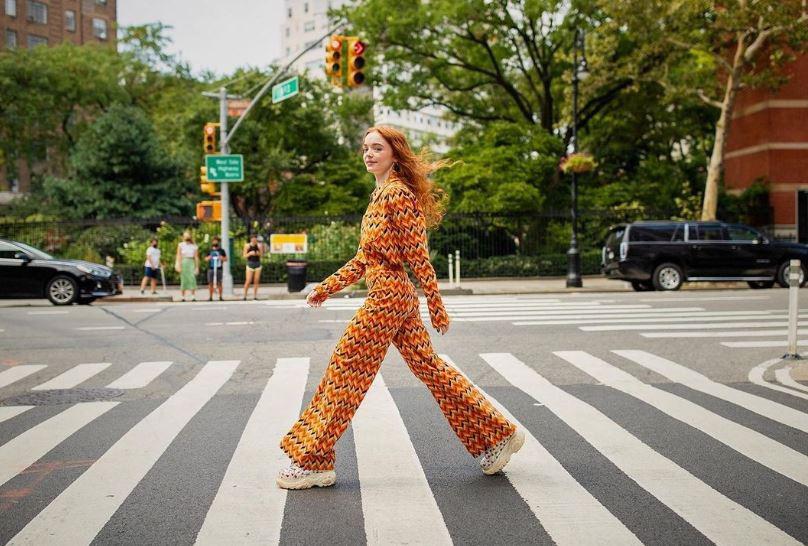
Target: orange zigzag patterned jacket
x: 393, y: 232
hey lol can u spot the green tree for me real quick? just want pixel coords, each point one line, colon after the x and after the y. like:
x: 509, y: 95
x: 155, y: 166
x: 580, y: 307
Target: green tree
x: 118, y: 169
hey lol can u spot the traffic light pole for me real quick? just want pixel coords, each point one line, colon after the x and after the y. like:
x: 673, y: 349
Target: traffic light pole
x: 227, y: 276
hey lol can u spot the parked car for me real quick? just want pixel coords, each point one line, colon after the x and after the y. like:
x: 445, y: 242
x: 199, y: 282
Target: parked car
x: 661, y: 255
x: 27, y: 272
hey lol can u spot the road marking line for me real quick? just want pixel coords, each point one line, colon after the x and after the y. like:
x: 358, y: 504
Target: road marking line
x: 248, y: 506
x: 730, y: 333
x: 693, y: 326
x: 720, y: 519
x: 760, y: 344
x: 91, y: 328
x: 81, y: 511
x: 750, y: 443
x: 7, y: 412
x: 554, y: 495
x: 671, y: 319
x: 21, y: 452
x: 756, y: 377
x: 696, y: 381
x: 140, y: 376
x: 48, y: 312
x: 73, y: 376
x: 12, y: 375
x: 707, y: 298
x: 783, y: 376
x: 385, y: 454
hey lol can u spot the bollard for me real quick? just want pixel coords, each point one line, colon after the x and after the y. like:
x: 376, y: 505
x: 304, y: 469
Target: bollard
x: 793, y: 311
x: 457, y: 268
x: 451, y: 271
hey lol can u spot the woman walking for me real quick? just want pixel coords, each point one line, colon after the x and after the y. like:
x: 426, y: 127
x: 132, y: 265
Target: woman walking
x: 188, y: 259
x: 252, y: 252
x: 401, y: 207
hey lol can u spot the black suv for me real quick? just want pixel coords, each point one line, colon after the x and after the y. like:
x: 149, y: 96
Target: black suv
x: 26, y: 272
x: 661, y: 255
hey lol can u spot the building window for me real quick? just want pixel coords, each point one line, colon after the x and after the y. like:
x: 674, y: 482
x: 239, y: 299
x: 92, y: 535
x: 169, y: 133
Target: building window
x: 11, y: 8
x: 101, y: 2
x: 99, y: 28
x: 306, y: 7
x: 289, y: 13
x: 70, y: 20
x: 309, y: 26
x: 287, y: 32
x: 11, y: 39
x: 287, y: 51
x: 37, y: 12
x: 34, y: 40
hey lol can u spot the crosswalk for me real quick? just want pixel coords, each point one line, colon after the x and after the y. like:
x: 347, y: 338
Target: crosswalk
x: 644, y: 450
x: 675, y: 318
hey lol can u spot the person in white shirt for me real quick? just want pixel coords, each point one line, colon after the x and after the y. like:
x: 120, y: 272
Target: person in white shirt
x: 188, y: 264
x: 152, y: 267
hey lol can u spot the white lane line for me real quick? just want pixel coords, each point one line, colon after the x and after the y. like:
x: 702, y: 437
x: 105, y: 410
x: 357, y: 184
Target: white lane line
x: 92, y: 328
x: 750, y: 443
x: 81, y: 511
x: 672, y: 319
x: 760, y: 344
x: 73, y: 376
x: 385, y: 455
x: 560, y: 312
x: 21, y: 452
x: 48, y: 312
x: 783, y: 376
x: 756, y: 377
x: 696, y: 381
x: 730, y: 333
x: 692, y: 326
x: 7, y: 412
x: 140, y: 376
x: 707, y: 298
x: 711, y: 513
x: 12, y: 375
x: 555, y: 496
x: 248, y: 507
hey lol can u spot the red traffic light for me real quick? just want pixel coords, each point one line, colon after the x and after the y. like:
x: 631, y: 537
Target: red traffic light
x: 210, y: 129
x: 358, y: 47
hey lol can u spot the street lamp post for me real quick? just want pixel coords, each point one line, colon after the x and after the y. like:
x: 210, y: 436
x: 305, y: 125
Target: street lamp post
x: 579, y: 72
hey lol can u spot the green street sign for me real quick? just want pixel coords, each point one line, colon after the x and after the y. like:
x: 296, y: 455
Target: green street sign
x: 284, y: 90
x: 225, y: 168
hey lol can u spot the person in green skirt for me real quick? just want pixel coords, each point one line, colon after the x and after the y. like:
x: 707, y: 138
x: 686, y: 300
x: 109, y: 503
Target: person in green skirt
x: 188, y: 262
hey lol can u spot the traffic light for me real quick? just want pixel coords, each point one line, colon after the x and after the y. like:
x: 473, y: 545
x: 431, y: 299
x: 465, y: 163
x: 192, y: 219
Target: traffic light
x: 209, y: 141
x: 209, y: 211
x: 333, y: 59
x: 356, y: 61
x: 206, y: 185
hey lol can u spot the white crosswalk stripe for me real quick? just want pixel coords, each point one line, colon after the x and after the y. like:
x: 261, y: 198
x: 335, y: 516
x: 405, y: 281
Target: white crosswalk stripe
x: 385, y: 455
x: 82, y: 509
x: 717, y: 517
x: 74, y: 376
x: 248, y: 507
x: 694, y: 380
x: 397, y: 499
x: 569, y: 513
x: 12, y: 375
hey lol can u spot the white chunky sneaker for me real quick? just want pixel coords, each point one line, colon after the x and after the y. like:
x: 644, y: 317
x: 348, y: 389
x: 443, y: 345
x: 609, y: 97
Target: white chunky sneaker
x: 295, y: 477
x: 495, y: 458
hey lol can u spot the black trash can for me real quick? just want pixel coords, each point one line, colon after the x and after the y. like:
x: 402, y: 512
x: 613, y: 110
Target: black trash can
x: 295, y: 275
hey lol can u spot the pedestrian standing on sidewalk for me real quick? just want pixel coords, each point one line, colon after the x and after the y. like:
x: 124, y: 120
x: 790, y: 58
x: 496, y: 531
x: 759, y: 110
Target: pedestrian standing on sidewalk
x: 152, y: 267
x: 188, y: 260
x: 402, y: 206
x: 216, y: 257
x: 253, y: 251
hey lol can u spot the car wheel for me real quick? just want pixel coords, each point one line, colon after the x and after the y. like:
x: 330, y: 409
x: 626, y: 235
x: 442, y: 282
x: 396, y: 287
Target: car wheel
x: 760, y: 284
x: 642, y: 286
x: 782, y: 274
x: 668, y: 276
x: 62, y: 290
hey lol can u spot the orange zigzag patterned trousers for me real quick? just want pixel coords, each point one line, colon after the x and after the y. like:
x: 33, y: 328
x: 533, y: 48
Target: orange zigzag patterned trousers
x: 390, y: 314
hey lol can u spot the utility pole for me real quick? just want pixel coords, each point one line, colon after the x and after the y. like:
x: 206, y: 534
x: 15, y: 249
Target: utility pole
x: 227, y: 276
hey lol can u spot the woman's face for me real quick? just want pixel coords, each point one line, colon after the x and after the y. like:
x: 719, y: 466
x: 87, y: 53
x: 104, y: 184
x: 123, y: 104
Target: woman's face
x: 377, y: 153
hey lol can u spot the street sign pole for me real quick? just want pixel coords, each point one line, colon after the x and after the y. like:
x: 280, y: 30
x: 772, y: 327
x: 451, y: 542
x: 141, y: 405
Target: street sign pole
x: 227, y: 277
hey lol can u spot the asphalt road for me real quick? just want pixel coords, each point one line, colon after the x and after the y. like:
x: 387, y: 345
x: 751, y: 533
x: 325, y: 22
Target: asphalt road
x: 651, y: 417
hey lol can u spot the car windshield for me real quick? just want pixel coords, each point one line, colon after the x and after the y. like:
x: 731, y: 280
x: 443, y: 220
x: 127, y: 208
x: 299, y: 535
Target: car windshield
x: 34, y: 251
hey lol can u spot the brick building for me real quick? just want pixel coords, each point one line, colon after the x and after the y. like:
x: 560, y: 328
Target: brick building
x: 768, y: 140
x: 30, y: 23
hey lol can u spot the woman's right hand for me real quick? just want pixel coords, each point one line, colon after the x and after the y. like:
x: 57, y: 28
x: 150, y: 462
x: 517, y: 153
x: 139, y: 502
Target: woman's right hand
x: 315, y: 299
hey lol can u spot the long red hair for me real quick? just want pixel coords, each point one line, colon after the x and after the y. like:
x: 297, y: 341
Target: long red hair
x: 414, y: 170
